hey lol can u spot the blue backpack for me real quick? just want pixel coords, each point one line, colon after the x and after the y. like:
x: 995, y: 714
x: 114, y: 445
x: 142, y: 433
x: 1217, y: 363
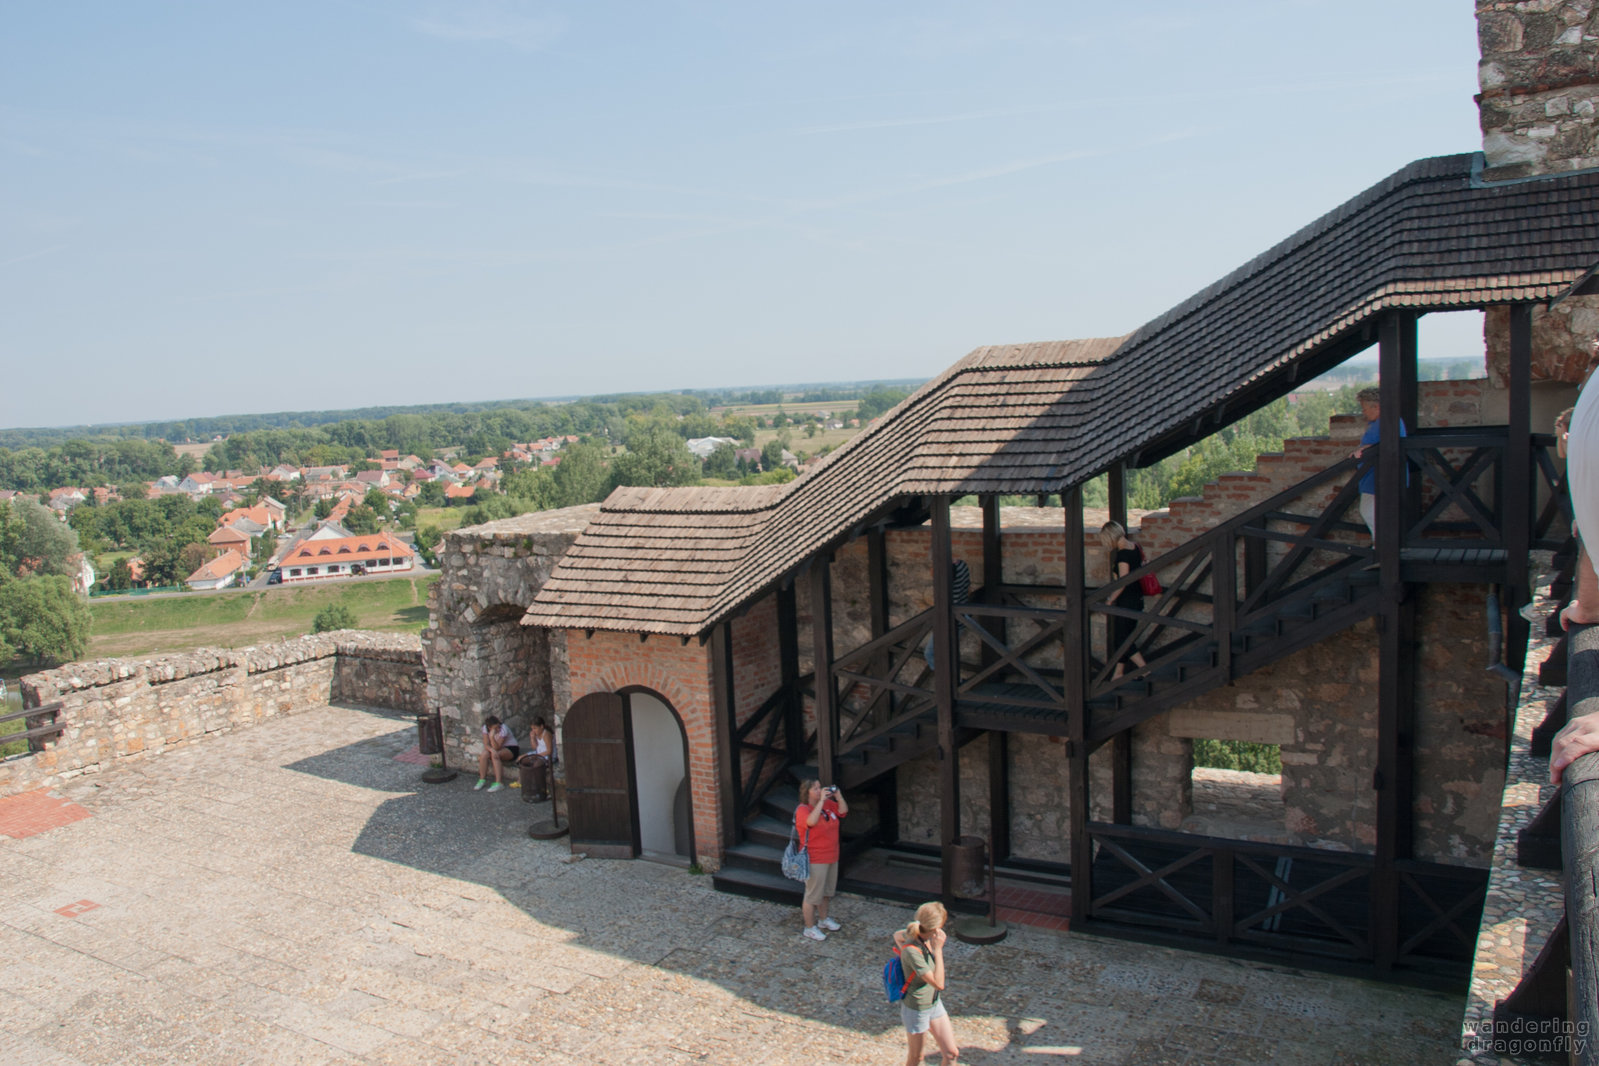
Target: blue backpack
x: 895, y: 983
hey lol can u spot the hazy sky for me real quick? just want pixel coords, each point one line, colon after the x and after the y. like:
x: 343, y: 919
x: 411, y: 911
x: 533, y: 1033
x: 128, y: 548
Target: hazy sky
x: 218, y: 208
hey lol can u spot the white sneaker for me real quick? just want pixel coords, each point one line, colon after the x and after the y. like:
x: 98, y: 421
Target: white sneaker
x: 480, y: 783
x: 815, y: 933
x: 495, y: 787
x: 829, y: 924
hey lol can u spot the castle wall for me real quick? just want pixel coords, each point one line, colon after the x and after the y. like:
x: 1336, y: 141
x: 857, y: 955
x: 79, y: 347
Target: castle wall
x: 481, y: 660
x: 121, y: 709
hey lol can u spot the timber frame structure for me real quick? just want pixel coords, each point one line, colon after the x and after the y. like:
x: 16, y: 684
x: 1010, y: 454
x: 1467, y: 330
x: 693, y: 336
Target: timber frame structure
x: 1459, y: 506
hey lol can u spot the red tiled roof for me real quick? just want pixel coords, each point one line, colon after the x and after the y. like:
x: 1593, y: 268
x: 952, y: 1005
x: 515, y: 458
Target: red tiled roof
x: 221, y: 566
x: 459, y: 492
x: 348, y: 549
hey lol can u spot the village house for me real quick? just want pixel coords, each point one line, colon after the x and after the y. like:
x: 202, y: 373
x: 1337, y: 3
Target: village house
x: 315, y: 557
x: 219, y: 573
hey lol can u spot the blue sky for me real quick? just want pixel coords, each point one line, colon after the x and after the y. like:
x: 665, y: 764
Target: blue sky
x: 220, y: 208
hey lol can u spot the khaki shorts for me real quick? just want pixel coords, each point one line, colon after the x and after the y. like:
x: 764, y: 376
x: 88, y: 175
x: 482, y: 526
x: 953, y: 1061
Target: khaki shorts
x: 822, y: 883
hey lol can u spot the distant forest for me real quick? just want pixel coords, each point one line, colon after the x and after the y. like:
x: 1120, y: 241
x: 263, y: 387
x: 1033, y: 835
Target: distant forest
x: 36, y: 460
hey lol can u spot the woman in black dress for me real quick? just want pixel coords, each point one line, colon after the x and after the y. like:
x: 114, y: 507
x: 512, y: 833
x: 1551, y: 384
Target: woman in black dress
x: 1123, y: 560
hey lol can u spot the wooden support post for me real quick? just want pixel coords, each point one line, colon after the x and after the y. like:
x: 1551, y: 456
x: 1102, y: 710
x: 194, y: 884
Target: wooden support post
x: 1519, y: 477
x: 1224, y: 596
x: 1121, y: 777
x: 1396, y: 655
x: 723, y: 693
x: 1075, y: 687
x: 993, y: 575
x: 788, y: 674
x: 1118, y: 493
x: 999, y: 795
x: 877, y: 579
x: 822, y: 655
x: 944, y: 653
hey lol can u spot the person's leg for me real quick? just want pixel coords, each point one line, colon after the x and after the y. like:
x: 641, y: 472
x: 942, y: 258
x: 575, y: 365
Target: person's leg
x: 913, y: 1048
x: 944, y: 1034
x: 1584, y: 610
x: 829, y: 890
x: 483, y: 767
x: 1368, y: 513
x: 813, y: 897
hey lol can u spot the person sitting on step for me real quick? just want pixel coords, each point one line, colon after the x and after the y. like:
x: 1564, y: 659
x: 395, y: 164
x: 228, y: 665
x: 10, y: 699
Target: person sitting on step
x: 499, y: 748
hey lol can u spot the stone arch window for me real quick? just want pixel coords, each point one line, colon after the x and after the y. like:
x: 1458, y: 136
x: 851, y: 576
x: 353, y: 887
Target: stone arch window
x: 500, y: 612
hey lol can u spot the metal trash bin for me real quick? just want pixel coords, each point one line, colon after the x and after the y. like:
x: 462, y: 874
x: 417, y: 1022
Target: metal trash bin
x: 968, y: 866
x: 534, y: 771
x: 429, y: 734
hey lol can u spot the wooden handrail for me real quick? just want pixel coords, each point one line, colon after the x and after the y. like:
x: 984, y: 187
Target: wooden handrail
x: 1579, y: 836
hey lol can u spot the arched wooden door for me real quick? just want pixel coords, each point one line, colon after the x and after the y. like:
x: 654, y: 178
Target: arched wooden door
x: 598, y: 749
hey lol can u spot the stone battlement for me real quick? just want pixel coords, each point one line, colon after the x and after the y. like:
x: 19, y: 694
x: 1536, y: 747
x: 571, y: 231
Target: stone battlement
x: 119, y: 709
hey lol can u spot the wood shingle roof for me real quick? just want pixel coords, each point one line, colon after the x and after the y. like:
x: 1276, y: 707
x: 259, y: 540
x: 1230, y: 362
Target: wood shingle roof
x: 1035, y: 418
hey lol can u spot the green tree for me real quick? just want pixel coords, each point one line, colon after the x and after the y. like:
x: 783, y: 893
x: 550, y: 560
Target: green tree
x: 361, y: 520
x: 42, y: 618
x: 772, y: 455
x: 431, y: 494
x: 333, y: 616
x: 722, y: 463
x: 656, y: 456
x: 580, y: 477
x: 37, y: 542
x: 377, y: 500
x: 120, y: 576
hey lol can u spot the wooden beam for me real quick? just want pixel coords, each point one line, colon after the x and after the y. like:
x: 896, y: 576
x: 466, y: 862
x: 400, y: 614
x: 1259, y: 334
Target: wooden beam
x: 993, y: 559
x: 822, y: 657
x: 944, y: 653
x: 1074, y: 685
x: 788, y: 673
x: 726, y: 719
x: 1396, y: 688
x: 1518, y: 480
x: 999, y: 795
x: 1118, y: 493
x: 1121, y: 773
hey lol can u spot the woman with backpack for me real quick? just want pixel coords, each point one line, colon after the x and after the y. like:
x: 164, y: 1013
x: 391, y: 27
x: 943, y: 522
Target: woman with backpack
x: 816, y: 820
x: 1124, y: 558
x: 921, y: 953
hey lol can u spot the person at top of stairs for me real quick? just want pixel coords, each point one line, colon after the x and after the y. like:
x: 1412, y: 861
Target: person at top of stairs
x: 1370, y: 409
x: 1123, y: 560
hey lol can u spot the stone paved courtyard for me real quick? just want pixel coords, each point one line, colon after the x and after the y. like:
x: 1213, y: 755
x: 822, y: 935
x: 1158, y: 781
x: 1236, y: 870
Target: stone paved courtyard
x: 291, y: 894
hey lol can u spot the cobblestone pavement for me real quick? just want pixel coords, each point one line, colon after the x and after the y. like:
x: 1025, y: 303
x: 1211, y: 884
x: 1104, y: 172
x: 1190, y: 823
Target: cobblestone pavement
x: 291, y: 894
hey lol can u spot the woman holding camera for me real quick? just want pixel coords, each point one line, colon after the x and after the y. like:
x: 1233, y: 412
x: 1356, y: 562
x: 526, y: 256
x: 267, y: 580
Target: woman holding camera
x: 817, y: 820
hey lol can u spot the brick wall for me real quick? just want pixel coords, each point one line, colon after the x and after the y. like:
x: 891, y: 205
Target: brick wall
x: 120, y: 709
x: 680, y: 674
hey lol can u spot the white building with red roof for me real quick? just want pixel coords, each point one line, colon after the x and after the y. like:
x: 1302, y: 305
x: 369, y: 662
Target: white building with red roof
x: 219, y: 573
x: 376, y: 553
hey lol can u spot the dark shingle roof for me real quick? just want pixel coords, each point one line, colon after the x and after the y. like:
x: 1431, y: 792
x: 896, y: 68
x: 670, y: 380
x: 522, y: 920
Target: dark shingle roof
x: 1038, y: 417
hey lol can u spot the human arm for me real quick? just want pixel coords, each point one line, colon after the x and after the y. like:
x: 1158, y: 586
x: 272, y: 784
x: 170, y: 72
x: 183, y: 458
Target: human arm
x: 811, y: 815
x: 1579, y: 737
x: 926, y: 961
x: 840, y: 803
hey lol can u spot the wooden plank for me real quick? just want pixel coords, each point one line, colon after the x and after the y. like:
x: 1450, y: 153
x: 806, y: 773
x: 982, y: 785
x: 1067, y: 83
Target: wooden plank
x: 728, y: 760
x: 998, y: 795
x: 822, y: 656
x: 944, y: 665
x: 1518, y: 475
x: 1075, y: 685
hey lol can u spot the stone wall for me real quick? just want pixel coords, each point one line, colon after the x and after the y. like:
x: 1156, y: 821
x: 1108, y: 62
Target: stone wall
x: 481, y: 660
x: 119, y: 709
x: 1539, y: 75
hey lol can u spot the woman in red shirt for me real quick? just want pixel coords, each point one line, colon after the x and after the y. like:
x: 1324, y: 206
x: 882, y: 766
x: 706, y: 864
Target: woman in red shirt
x: 817, y: 820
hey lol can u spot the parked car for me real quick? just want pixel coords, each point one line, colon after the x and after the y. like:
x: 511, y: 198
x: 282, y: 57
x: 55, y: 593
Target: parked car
x: 275, y: 576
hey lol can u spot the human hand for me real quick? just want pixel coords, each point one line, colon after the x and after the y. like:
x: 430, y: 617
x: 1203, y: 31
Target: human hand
x: 1578, y: 737
x: 936, y: 940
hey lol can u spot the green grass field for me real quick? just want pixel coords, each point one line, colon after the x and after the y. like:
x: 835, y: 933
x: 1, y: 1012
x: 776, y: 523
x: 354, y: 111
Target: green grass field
x: 442, y: 519
x: 240, y: 618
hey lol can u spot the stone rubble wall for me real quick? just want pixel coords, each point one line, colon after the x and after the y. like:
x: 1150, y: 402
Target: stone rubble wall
x: 1539, y: 75
x: 119, y: 709
x: 481, y: 660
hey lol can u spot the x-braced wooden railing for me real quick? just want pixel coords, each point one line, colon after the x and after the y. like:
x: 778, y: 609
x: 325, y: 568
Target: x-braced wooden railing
x: 883, y: 684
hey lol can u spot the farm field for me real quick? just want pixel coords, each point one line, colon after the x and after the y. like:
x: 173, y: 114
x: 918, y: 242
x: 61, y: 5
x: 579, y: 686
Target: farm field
x: 240, y: 618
